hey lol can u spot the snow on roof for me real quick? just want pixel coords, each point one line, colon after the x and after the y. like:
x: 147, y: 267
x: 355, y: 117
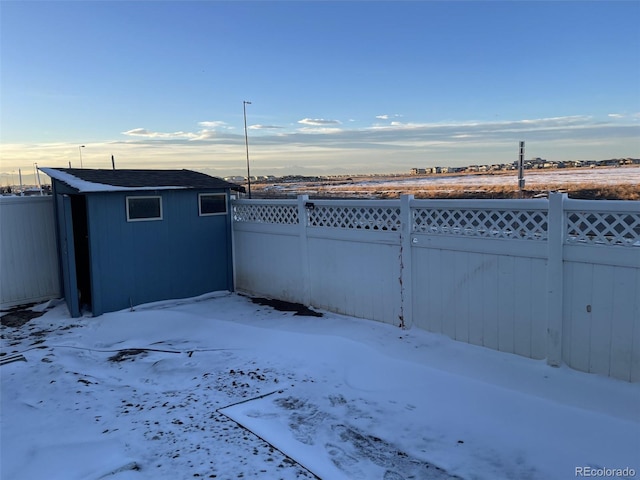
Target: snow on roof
x: 102, y: 180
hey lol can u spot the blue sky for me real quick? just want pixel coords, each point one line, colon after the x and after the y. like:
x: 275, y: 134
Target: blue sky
x: 336, y: 87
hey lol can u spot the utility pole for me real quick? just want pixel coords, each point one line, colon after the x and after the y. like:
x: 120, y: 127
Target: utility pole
x: 246, y: 143
x: 521, y: 170
x: 38, y: 178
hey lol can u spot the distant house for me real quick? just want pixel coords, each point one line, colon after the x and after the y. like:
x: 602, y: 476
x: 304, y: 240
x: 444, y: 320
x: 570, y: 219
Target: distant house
x: 127, y: 237
x: 236, y: 179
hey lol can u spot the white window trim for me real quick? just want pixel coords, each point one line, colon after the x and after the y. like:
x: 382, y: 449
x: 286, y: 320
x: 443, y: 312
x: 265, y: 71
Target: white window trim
x: 226, y: 206
x: 153, y: 219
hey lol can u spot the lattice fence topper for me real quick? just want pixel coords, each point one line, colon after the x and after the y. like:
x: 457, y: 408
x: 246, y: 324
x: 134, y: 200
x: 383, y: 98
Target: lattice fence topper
x: 604, y: 228
x: 495, y: 223
x: 282, y: 214
x: 368, y: 218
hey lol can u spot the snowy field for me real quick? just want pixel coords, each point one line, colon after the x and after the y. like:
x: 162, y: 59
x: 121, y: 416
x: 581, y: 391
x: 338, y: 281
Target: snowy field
x: 599, y: 176
x: 535, y: 179
x: 221, y: 387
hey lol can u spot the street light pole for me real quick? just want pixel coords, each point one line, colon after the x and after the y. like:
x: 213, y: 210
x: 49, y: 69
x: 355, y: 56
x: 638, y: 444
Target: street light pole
x: 246, y: 143
x: 80, y: 150
x: 521, y: 170
x: 35, y: 167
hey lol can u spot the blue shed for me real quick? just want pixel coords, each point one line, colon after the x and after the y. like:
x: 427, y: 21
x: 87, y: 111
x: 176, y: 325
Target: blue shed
x: 127, y: 237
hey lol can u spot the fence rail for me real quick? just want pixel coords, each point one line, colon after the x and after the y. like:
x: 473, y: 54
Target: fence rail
x: 263, y: 212
x: 585, y: 222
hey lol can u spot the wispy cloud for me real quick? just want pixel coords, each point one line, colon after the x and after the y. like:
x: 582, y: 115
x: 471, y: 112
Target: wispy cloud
x: 329, y: 133
x: 211, y: 130
x: 320, y: 130
x: 324, y: 145
x: 496, y: 127
x: 386, y: 116
x: 406, y: 136
x: 143, y: 132
x: 624, y: 115
x: 215, y: 124
x: 318, y: 122
x: 264, y: 127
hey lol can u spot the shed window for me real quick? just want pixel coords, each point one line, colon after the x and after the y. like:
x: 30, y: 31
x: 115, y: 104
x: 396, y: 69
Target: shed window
x: 144, y: 208
x: 212, y: 203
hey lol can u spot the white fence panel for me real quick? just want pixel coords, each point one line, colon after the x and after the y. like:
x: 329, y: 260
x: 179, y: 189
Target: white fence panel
x: 355, y: 277
x: 354, y: 258
x: 553, y: 278
x: 601, y: 278
x: 29, y: 269
x: 267, y: 250
x: 478, y: 272
x: 269, y: 264
x: 342, y: 257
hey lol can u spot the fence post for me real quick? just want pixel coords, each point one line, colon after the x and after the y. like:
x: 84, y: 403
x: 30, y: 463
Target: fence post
x: 406, y: 278
x: 555, y: 256
x: 304, y: 249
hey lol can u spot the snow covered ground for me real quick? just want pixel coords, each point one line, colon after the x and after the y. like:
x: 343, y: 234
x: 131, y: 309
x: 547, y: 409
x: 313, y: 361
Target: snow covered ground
x: 597, y: 176
x: 222, y: 387
x: 535, y: 179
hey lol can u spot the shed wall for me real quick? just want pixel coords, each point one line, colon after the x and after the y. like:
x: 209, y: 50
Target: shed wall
x: 182, y: 255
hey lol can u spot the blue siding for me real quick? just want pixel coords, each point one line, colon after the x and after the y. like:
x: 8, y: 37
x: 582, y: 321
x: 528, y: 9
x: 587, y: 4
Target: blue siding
x: 66, y: 261
x: 182, y: 255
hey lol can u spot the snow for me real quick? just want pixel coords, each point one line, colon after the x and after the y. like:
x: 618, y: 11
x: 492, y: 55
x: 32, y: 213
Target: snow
x: 540, y: 179
x: 599, y: 176
x: 220, y: 387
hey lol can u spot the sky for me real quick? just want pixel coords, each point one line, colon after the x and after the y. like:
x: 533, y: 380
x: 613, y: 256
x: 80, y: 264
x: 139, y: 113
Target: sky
x: 159, y: 391
x: 335, y: 87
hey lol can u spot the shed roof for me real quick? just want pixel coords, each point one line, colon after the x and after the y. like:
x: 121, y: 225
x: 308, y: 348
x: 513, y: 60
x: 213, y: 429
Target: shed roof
x: 87, y: 180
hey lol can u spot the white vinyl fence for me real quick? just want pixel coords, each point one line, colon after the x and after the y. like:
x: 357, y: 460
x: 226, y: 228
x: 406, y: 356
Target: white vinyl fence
x: 28, y: 257
x: 556, y: 279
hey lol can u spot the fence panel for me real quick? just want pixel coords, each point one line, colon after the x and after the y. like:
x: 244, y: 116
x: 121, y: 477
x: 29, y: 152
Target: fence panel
x: 354, y: 251
x: 267, y: 250
x: 555, y: 278
x: 601, y: 277
x: 473, y: 269
x: 356, y: 278
x: 29, y: 271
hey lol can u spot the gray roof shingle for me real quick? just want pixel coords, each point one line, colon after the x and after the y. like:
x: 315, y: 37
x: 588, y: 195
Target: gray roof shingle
x: 145, y: 179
